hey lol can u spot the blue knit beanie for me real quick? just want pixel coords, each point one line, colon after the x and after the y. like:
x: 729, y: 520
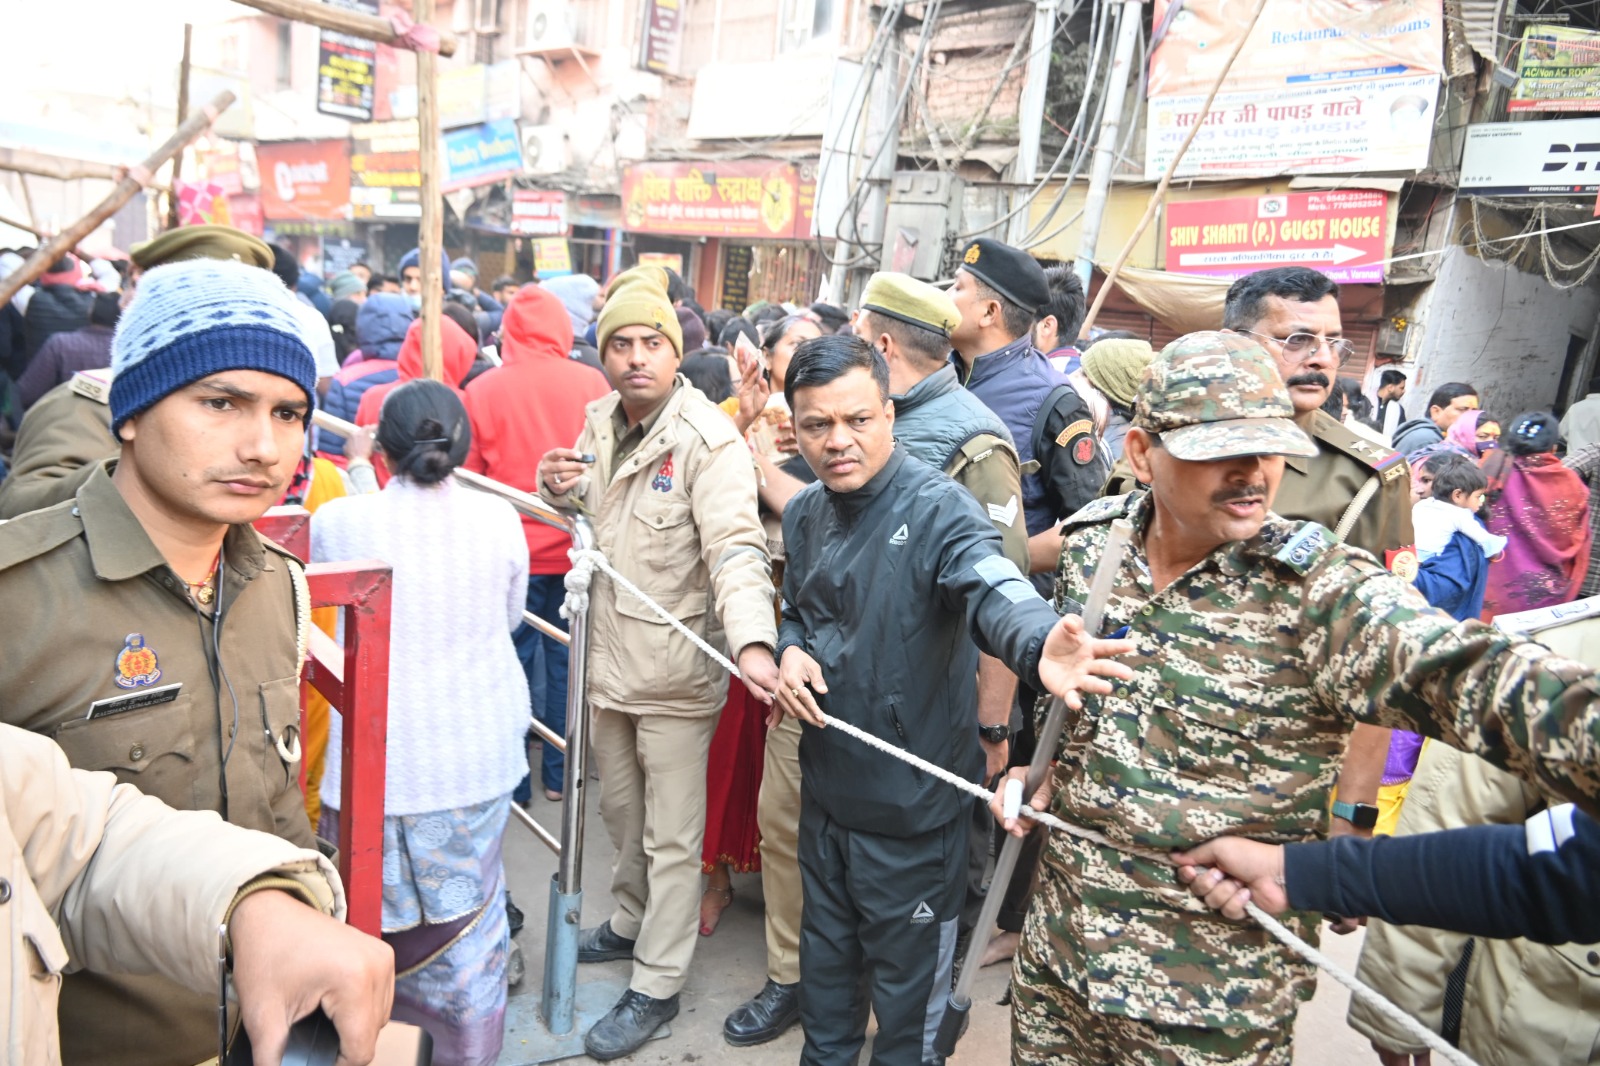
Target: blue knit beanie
x: 200, y: 317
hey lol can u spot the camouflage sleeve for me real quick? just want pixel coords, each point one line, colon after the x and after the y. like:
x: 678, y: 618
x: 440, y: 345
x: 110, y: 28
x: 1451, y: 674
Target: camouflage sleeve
x: 1378, y: 653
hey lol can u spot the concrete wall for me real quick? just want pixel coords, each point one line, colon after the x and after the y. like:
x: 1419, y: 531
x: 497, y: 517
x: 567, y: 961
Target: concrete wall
x: 1500, y: 329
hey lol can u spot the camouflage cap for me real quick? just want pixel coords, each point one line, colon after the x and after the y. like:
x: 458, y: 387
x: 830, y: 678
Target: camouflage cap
x: 201, y: 242
x: 1218, y: 396
x: 903, y: 297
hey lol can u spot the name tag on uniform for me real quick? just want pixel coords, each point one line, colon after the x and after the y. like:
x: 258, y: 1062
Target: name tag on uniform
x: 134, y: 701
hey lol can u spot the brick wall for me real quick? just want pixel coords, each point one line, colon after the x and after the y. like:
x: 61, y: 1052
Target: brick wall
x: 967, y: 55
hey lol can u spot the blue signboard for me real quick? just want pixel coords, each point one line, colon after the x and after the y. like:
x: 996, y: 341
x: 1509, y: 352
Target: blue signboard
x: 480, y: 155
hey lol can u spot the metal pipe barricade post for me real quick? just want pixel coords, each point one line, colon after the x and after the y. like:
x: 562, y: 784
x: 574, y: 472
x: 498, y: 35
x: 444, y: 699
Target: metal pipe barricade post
x: 558, y: 997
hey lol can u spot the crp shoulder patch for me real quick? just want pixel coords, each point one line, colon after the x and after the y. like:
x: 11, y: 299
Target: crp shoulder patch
x: 1305, y: 547
x: 1082, y: 425
x: 1102, y: 510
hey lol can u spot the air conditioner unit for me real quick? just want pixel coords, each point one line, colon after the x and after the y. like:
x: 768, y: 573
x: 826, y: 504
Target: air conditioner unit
x: 544, y: 150
x: 549, y: 26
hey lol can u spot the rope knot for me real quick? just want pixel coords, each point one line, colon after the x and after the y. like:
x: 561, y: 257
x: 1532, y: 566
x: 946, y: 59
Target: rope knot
x: 579, y: 578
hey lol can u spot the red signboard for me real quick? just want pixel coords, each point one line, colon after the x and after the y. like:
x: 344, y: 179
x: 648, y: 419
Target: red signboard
x: 1339, y: 233
x: 752, y: 198
x: 539, y: 213
x: 305, y: 179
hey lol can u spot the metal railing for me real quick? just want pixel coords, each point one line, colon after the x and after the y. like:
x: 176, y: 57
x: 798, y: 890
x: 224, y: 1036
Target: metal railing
x: 558, y: 996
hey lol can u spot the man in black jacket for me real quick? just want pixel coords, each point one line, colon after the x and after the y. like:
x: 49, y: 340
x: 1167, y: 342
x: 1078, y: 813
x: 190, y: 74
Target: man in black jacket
x: 893, y: 569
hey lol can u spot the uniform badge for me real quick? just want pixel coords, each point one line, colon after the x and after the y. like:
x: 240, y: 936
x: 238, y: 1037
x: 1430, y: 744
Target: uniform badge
x: 1083, y: 451
x: 1305, y: 547
x: 971, y: 256
x: 136, y: 663
x: 1082, y: 425
x: 1402, y: 562
x: 662, y: 482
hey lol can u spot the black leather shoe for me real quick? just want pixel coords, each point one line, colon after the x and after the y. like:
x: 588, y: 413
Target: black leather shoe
x: 764, y: 1017
x: 600, y: 944
x: 627, y: 1026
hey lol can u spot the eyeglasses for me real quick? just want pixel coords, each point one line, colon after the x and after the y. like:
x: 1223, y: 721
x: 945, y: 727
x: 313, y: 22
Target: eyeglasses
x: 1302, y: 346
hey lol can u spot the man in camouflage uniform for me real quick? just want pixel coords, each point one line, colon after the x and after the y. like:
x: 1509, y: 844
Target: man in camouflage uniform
x: 1258, y: 642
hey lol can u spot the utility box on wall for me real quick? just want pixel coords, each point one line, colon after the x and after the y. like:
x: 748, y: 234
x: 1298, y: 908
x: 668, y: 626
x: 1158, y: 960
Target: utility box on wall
x: 924, y: 213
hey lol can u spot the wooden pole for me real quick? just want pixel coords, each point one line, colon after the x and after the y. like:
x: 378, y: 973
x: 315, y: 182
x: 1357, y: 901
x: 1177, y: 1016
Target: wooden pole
x: 24, y: 161
x: 27, y: 201
x: 14, y: 224
x: 136, y: 179
x: 1166, y: 179
x: 355, y: 23
x: 431, y: 244
x: 183, y: 113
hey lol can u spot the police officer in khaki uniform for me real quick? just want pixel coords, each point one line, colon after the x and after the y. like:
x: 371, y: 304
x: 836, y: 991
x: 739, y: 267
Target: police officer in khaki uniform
x: 1359, y: 490
x: 950, y: 429
x: 69, y: 429
x: 152, y: 633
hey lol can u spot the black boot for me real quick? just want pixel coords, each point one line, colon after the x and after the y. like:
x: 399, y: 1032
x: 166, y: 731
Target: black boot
x: 514, y: 915
x: 766, y: 1016
x: 600, y: 944
x: 627, y: 1026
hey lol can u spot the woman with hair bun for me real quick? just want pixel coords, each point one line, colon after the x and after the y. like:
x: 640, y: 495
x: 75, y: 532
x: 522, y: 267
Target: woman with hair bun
x: 458, y: 709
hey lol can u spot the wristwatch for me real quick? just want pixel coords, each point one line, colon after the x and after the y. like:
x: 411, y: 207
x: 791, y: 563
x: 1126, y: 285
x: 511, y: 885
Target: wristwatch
x: 1360, y: 815
x: 995, y: 734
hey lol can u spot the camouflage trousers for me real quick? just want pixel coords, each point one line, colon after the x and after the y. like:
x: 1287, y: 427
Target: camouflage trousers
x: 1051, y: 1025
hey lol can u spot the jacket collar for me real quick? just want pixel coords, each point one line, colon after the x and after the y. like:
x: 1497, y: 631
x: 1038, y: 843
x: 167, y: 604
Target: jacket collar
x: 851, y: 504
x: 939, y: 383
x: 120, y: 549
x: 996, y: 362
x: 661, y: 438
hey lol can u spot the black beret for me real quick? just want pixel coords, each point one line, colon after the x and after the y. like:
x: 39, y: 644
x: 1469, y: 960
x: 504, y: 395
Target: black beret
x: 1009, y: 271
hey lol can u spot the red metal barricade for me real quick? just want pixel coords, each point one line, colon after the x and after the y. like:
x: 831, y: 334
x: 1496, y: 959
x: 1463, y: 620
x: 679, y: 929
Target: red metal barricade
x: 358, y: 685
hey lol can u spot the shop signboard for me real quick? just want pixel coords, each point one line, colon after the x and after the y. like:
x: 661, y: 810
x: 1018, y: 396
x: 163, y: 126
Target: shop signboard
x: 1552, y: 158
x: 481, y: 155
x: 662, y: 40
x: 305, y: 179
x: 347, y: 69
x: 736, y: 260
x: 461, y: 97
x: 552, y: 257
x: 1557, y: 70
x: 385, y: 170
x: 340, y: 254
x: 539, y: 213
x: 761, y: 199
x: 1341, y: 233
x: 1330, y: 86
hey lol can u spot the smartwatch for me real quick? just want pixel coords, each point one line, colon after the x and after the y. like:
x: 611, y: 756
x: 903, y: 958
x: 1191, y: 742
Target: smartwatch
x: 1360, y: 815
x: 995, y: 734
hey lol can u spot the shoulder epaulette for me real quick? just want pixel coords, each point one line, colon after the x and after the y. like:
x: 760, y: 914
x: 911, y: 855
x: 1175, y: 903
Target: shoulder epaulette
x: 1102, y: 510
x: 709, y: 421
x: 31, y: 535
x: 1305, y: 546
x: 1380, y: 458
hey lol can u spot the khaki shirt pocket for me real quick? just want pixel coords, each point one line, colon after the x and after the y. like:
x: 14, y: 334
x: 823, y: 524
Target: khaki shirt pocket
x: 660, y: 538
x: 660, y: 662
x: 152, y: 748
x: 280, y: 717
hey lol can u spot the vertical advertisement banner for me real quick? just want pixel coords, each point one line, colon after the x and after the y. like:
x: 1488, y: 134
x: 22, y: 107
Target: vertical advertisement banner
x: 347, y: 69
x: 1323, y: 86
x: 385, y: 170
x: 662, y: 40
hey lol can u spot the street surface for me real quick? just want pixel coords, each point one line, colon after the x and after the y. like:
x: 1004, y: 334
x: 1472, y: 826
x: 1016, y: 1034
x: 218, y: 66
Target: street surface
x: 731, y: 966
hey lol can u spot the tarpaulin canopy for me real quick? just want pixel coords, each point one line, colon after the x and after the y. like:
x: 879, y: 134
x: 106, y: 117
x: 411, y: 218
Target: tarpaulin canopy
x: 1182, y: 302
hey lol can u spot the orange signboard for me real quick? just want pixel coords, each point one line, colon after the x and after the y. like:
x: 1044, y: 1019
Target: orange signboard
x: 753, y: 199
x: 305, y: 179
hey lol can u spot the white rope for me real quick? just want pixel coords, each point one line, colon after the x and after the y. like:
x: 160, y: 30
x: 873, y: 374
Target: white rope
x: 579, y: 580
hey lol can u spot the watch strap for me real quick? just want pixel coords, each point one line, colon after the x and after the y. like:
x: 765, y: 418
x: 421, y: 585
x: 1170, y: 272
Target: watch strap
x: 1360, y: 815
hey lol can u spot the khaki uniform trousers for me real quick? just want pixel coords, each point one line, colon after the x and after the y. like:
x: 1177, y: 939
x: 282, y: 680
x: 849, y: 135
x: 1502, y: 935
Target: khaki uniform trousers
x: 778, y: 816
x: 653, y: 802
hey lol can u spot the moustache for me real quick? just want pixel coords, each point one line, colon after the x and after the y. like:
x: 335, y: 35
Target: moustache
x: 1244, y: 492
x: 1310, y: 377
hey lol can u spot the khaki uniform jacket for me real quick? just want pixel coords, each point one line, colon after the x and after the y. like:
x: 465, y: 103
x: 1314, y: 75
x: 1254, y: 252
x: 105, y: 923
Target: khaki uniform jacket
x: 94, y: 614
x: 677, y: 518
x: 94, y: 875
x: 61, y: 438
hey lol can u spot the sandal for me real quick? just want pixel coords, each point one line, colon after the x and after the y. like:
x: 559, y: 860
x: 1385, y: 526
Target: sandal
x: 709, y: 926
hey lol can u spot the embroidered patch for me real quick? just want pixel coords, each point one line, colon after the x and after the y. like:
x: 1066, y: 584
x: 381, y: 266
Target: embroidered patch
x: 1402, y: 562
x: 662, y: 482
x: 1082, y: 425
x: 971, y: 256
x: 136, y: 663
x: 1083, y: 450
x: 1305, y: 547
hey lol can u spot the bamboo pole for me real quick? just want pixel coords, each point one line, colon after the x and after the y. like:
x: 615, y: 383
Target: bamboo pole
x: 1166, y: 179
x: 14, y: 224
x: 136, y: 179
x: 431, y: 231
x: 25, y: 161
x: 183, y: 113
x: 343, y: 20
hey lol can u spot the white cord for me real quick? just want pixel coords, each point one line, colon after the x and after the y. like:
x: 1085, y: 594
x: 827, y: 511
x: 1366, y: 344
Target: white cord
x: 579, y: 580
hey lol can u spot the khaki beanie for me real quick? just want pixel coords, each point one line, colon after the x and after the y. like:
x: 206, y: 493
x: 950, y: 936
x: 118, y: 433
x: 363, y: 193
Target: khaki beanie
x: 1115, y: 366
x: 638, y: 297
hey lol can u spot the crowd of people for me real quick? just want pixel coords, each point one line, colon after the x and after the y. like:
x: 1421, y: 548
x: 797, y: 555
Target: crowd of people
x: 889, y: 515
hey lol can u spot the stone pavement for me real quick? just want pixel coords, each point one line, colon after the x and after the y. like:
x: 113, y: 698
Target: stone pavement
x: 731, y: 966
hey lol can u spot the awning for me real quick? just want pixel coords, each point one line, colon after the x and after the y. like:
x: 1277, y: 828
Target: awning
x: 1182, y: 302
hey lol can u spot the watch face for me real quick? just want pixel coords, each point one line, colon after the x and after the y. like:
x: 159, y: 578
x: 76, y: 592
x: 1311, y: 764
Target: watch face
x: 994, y: 734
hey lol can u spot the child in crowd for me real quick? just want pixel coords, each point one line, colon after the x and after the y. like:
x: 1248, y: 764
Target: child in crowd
x: 1458, y: 493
